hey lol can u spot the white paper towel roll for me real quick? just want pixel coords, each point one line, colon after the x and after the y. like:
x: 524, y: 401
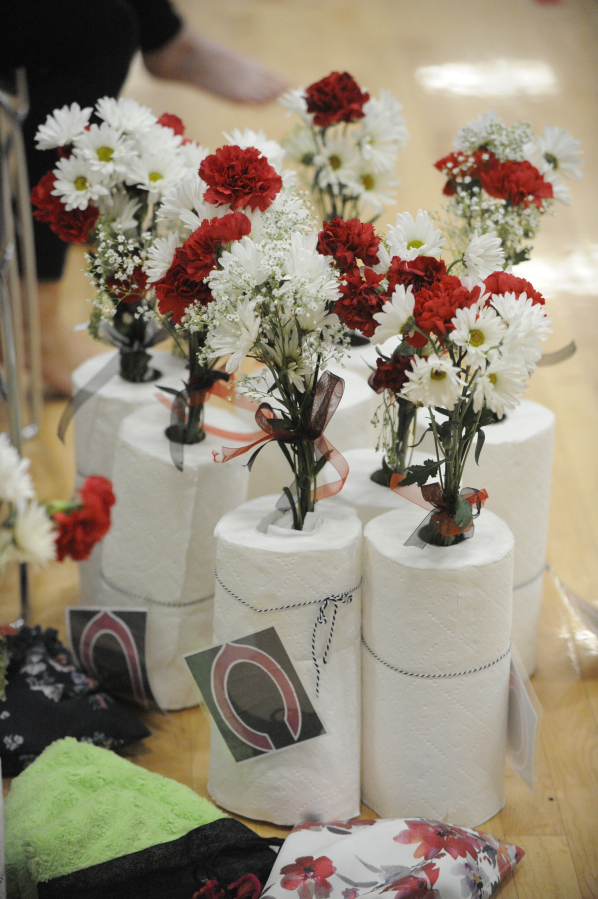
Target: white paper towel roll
x: 364, y: 495
x: 96, y: 432
x: 434, y: 745
x: 160, y: 551
x: 350, y: 427
x: 515, y: 468
x: 317, y: 779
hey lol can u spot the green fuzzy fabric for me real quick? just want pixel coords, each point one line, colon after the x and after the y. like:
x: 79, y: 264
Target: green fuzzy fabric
x: 78, y: 805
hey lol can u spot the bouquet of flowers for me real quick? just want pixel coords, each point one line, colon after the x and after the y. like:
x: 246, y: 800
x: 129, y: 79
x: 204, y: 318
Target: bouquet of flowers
x: 37, y: 533
x: 504, y: 180
x: 249, y: 281
x: 350, y: 170
x: 104, y: 191
x: 464, y: 344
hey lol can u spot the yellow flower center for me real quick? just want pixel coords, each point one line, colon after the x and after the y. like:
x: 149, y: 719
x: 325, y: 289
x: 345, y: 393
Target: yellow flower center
x: 81, y: 183
x: 492, y: 378
x: 154, y: 176
x: 368, y: 181
x: 335, y: 162
x: 438, y: 374
x: 415, y: 244
x: 476, y: 337
x: 105, y: 154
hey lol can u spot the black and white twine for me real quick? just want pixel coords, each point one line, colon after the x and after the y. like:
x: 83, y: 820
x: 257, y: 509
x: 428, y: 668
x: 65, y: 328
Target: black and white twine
x: 447, y: 674
x: 334, y: 599
x: 155, y: 602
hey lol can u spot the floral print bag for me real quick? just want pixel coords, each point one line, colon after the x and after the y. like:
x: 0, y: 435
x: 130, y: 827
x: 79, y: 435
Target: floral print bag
x: 412, y: 858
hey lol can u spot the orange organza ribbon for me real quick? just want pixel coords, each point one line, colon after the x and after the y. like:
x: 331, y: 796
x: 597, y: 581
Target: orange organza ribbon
x: 430, y: 497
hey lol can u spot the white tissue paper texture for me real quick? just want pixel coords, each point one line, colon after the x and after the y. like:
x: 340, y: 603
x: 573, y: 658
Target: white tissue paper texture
x: 160, y: 551
x: 368, y: 498
x: 350, y: 427
x: 318, y: 778
x: 435, y: 747
x: 515, y: 468
x: 96, y: 426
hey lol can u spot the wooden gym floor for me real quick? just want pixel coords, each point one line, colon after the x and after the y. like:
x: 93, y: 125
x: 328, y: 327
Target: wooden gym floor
x: 528, y: 61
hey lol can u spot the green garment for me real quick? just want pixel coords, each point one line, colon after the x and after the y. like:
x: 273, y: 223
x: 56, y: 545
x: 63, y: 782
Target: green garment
x: 78, y: 805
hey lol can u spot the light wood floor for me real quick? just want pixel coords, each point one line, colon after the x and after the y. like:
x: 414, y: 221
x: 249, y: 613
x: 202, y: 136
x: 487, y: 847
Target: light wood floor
x: 547, y: 58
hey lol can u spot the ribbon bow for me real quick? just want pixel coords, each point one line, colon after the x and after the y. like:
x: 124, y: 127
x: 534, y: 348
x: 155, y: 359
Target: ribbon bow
x: 440, y: 520
x: 327, y: 397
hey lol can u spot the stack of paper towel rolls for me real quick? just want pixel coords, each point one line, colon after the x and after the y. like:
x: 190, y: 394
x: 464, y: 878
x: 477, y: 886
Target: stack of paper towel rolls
x: 317, y: 779
x: 160, y: 551
x: 368, y: 498
x: 436, y: 626
x: 515, y: 468
x: 97, y: 423
x: 350, y: 427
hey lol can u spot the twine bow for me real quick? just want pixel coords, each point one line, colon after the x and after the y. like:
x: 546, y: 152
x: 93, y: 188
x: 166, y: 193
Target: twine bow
x: 327, y: 397
x: 335, y: 599
x: 440, y: 519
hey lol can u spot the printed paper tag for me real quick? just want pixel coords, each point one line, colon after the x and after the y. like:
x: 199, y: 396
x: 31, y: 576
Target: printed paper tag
x: 255, y: 695
x: 110, y: 646
x: 525, y: 716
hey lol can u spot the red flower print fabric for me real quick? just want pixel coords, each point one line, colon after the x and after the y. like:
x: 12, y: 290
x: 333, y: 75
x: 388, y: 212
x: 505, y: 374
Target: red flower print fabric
x: 411, y: 858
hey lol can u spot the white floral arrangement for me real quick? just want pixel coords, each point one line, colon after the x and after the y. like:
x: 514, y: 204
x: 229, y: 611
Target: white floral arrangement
x: 504, y: 179
x: 347, y: 145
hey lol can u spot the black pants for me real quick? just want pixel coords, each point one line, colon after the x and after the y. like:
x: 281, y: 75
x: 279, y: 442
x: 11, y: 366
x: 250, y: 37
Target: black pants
x: 74, y: 51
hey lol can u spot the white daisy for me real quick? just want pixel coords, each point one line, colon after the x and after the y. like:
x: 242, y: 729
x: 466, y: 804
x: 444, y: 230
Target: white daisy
x: 433, y: 382
x: 288, y: 355
x: 484, y: 254
x: 376, y: 190
x: 382, y: 133
x: 527, y: 325
x: 395, y: 314
x: 236, y: 337
x: 499, y: 386
x: 409, y: 239
x: 105, y: 148
x: 125, y: 114
x: 15, y: 481
x: 301, y: 145
x: 559, y: 150
x: 306, y: 269
x: 296, y: 102
x: 477, y: 331
x: 185, y: 195
x: 273, y: 152
x: 244, y: 265
x: 160, y: 256
x: 317, y: 318
x: 382, y: 267
x: 560, y: 191
x: 338, y: 166
x: 120, y: 210
x: 159, y: 140
x: 155, y: 173
x: 34, y: 536
x: 193, y: 154
x: 62, y: 127
x: 77, y: 183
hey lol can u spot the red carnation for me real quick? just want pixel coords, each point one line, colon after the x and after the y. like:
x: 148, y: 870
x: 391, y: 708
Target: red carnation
x: 81, y: 527
x: 200, y: 248
x: 422, y: 271
x: 436, y: 305
x: 360, y: 300
x: 519, y: 182
x: 240, y: 178
x: 390, y: 375
x: 176, y: 290
x: 168, y: 120
x: 337, y: 98
x: 132, y: 289
x: 349, y: 242
x: 503, y: 282
x: 73, y: 226
x: 457, y: 166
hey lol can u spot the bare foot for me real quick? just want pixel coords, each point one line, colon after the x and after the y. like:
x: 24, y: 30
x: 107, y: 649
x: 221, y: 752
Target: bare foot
x: 195, y: 60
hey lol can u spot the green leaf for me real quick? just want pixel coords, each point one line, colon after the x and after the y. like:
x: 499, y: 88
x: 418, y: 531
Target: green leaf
x: 404, y: 349
x: 479, y: 444
x: 463, y: 513
x: 419, y: 474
